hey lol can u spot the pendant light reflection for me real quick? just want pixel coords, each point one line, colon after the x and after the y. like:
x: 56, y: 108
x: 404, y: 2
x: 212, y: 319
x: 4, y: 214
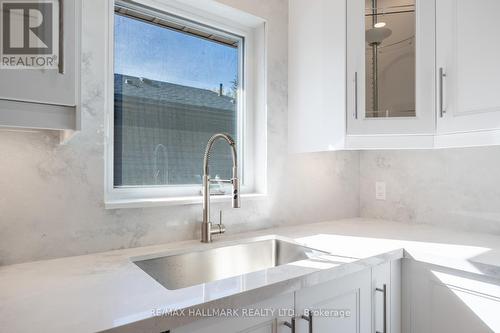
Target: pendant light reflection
x: 377, y: 35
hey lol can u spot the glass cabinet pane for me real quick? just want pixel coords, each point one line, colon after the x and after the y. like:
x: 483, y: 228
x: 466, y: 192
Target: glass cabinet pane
x: 390, y: 58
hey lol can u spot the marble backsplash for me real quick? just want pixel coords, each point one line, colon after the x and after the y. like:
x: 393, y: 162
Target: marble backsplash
x: 51, y: 199
x: 455, y: 188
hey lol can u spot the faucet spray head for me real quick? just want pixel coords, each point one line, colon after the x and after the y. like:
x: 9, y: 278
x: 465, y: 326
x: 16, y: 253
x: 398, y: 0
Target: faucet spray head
x: 236, y: 193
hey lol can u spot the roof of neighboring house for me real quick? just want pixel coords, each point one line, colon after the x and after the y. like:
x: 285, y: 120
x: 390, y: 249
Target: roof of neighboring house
x: 166, y: 92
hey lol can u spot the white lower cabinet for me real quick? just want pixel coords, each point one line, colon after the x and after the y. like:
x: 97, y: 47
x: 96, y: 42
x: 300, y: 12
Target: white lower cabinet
x: 367, y: 301
x: 350, y: 304
x: 398, y: 296
x: 441, y: 300
x: 257, y: 322
x: 342, y: 305
x: 386, y: 297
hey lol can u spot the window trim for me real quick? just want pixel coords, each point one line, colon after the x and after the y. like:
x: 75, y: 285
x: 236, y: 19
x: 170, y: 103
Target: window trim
x: 251, y: 103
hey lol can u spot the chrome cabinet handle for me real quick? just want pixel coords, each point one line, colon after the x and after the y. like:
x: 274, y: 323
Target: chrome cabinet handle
x: 442, y: 75
x: 309, y: 318
x: 290, y: 324
x: 384, y: 293
x: 61, y: 37
x: 355, y: 95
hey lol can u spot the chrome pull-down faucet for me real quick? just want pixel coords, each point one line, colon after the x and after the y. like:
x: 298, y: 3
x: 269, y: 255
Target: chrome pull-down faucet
x: 207, y: 228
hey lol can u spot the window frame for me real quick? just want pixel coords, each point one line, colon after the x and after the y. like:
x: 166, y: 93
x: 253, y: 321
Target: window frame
x: 153, y: 195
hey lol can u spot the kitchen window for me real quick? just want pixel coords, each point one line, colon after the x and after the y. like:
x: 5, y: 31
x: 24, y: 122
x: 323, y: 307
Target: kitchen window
x: 176, y: 82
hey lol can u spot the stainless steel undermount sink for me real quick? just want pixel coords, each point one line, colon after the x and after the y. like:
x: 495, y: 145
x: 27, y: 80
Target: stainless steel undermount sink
x: 192, y: 268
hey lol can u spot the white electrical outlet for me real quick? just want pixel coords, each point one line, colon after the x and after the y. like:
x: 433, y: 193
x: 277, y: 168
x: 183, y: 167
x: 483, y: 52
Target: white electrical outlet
x: 380, y: 191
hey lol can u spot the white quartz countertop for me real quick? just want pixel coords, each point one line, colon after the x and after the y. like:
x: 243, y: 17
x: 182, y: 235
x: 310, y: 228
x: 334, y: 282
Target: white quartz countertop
x: 107, y: 291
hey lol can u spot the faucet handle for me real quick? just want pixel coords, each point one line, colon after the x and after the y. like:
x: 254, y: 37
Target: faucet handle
x: 221, y: 227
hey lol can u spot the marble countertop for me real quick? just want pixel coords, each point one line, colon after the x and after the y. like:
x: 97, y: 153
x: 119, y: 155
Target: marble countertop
x: 107, y: 291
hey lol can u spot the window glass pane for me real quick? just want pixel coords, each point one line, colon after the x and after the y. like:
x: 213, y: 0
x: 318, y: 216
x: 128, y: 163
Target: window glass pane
x: 173, y: 91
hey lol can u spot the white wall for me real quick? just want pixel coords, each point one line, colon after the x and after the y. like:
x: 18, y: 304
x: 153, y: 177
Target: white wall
x: 456, y: 188
x: 51, y: 199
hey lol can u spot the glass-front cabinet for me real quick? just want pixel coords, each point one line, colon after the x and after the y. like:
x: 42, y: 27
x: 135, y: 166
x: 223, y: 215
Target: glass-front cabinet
x: 394, y: 74
x: 390, y: 67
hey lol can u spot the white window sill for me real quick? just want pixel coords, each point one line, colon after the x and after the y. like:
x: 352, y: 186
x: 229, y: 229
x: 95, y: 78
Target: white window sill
x: 175, y: 201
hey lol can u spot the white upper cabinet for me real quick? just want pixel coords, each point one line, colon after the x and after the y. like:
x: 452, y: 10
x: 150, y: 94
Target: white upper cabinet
x: 468, y: 71
x: 382, y: 74
x: 390, y: 68
x: 46, y: 97
x: 316, y: 75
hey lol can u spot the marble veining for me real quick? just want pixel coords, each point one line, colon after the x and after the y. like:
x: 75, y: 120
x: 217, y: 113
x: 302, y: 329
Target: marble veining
x: 52, y: 200
x: 455, y: 188
x: 107, y: 290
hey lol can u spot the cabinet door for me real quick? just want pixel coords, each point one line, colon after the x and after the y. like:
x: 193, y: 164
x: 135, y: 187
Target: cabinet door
x: 343, y: 305
x: 316, y: 75
x: 468, y: 56
x: 442, y: 300
x: 270, y: 318
x: 49, y: 86
x: 390, y: 67
x: 386, y: 297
